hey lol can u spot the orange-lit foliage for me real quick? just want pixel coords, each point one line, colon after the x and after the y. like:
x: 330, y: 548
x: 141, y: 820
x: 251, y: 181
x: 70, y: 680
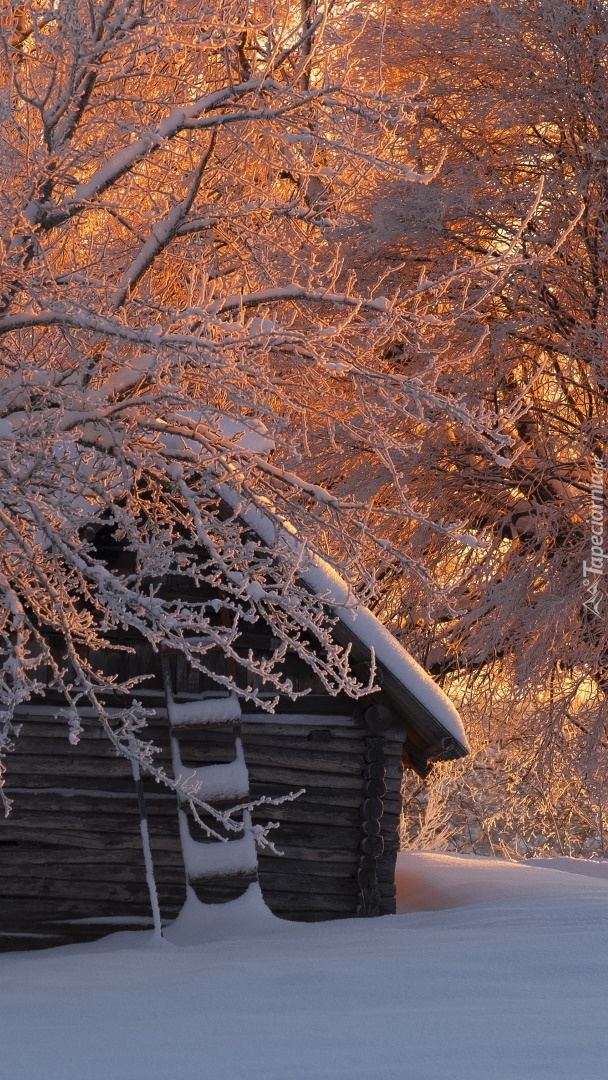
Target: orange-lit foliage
x: 516, y: 94
x: 184, y: 301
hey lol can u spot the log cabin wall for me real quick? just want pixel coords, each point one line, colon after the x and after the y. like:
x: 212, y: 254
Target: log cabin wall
x: 71, y: 849
x: 322, y: 832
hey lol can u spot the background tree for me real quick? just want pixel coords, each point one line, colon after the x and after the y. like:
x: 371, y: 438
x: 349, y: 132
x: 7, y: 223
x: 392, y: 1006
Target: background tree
x: 516, y: 95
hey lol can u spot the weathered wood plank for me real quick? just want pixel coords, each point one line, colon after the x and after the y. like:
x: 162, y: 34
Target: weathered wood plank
x: 295, y: 834
x: 283, y: 739
x: 85, y: 821
x: 306, y: 887
x: 319, y: 855
x: 312, y: 869
x: 314, y: 704
x: 260, y: 773
x: 284, y: 902
x: 41, y: 801
x: 92, y: 840
x: 118, y: 892
x: 48, y: 910
x: 83, y: 765
x: 103, y: 874
x: 322, y: 796
x: 337, y: 764
x: 40, y: 858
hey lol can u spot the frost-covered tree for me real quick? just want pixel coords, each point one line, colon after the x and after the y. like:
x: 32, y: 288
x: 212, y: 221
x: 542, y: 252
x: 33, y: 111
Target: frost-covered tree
x: 515, y: 94
x: 177, y: 323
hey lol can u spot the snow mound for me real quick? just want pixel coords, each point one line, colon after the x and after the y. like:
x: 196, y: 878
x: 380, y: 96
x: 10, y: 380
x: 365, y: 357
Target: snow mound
x: 596, y: 868
x: 199, y: 923
x: 428, y: 881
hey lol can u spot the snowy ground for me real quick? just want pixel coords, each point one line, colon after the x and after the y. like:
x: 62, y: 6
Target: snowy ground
x: 495, y: 971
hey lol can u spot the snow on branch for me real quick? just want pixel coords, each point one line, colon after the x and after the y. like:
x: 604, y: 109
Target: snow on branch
x: 183, y: 309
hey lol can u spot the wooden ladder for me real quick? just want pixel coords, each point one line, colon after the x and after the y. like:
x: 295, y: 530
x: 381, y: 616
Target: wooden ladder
x: 213, y: 860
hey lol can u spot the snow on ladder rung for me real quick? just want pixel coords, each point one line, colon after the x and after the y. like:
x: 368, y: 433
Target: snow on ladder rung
x: 213, y: 782
x: 204, y: 712
x: 216, y: 858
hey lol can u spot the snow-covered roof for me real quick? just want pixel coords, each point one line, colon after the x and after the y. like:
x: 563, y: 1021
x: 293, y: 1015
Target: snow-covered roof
x: 361, y: 623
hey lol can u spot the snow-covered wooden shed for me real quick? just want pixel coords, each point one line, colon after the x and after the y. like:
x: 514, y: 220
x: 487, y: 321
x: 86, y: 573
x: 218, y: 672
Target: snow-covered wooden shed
x: 71, y: 865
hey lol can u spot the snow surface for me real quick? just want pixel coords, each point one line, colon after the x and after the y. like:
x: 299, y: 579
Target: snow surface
x: 326, y: 582
x: 432, y: 882
x: 509, y: 984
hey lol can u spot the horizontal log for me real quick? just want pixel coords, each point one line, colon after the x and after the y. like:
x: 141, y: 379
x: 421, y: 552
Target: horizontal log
x: 66, y: 932
x: 130, y: 869
x: 65, y: 935
x: 306, y: 812
x: 102, y: 871
x: 27, y: 888
x: 300, y: 777
x: 203, y: 727
x: 313, y: 795
x: 65, y: 783
x: 319, y: 855
x: 264, y: 780
x: 94, y: 738
x: 38, y: 859
x: 48, y: 913
x: 294, y: 835
x: 286, y: 903
x: 46, y: 730
x: 95, y: 749
x: 93, y: 841
x: 308, y: 760
x: 159, y: 798
x: 233, y: 879
x: 315, y: 704
x: 308, y: 886
x: 312, y: 869
x: 47, y: 726
x: 86, y: 820
x: 76, y: 765
x: 341, y: 739
x: 113, y: 834
x: 286, y: 826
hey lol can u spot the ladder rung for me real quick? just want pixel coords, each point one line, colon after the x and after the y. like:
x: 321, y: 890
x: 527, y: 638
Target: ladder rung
x: 206, y: 725
x: 224, y: 879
